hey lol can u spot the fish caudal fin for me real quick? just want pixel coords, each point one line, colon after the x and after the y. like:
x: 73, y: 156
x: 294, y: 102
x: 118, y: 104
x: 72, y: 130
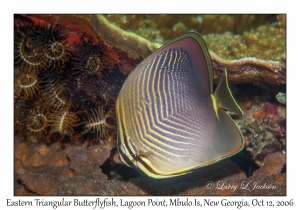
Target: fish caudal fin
x: 222, y: 97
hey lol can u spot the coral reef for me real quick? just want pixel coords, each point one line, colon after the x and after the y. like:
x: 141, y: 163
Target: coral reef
x: 267, y: 42
x: 73, y: 71
x: 263, y: 123
x: 238, y: 53
x: 255, y: 56
x: 229, y: 36
x: 73, y: 161
x: 134, y: 46
x: 160, y: 27
x: 51, y: 170
x: 223, y: 178
x: 68, y: 72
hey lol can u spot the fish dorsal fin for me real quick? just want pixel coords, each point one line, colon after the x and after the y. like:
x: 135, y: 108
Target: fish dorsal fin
x: 222, y: 97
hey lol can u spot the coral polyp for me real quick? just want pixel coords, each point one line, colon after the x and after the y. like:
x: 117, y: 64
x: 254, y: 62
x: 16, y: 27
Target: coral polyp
x: 111, y: 84
x: 61, y: 125
x: 63, y: 75
x: 37, y: 121
x: 52, y: 89
x: 96, y: 124
x: 39, y: 46
x: 22, y: 109
x: 25, y: 84
x: 95, y: 65
x: 26, y: 55
x: 89, y: 58
x: 56, y: 53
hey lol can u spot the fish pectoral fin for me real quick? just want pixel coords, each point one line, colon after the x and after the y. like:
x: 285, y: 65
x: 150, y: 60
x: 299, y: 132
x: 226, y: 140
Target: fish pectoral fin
x: 222, y: 97
x: 144, y: 153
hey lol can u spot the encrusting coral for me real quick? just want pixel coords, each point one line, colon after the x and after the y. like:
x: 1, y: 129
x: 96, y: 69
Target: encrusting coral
x: 66, y: 89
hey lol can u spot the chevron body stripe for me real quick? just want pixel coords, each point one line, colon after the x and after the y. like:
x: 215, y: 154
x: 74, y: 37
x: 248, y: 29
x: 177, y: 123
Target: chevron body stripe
x: 166, y: 120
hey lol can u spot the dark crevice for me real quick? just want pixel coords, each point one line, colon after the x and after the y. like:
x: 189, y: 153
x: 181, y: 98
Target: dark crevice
x: 245, y: 162
x: 118, y: 171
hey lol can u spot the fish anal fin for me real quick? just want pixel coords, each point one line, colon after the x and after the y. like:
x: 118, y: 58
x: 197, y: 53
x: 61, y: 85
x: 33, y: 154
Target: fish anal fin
x: 229, y: 139
x: 222, y: 97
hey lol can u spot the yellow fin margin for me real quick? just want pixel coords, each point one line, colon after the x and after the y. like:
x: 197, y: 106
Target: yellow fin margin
x: 222, y: 97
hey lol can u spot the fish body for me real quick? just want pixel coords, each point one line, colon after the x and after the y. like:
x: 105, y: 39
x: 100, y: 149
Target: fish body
x: 169, y: 120
x: 281, y: 98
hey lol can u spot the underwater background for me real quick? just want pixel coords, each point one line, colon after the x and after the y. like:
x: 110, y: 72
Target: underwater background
x: 68, y: 70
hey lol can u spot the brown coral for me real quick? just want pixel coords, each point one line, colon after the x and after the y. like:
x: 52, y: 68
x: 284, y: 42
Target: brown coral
x: 86, y: 162
x: 266, y: 42
x: 249, y: 70
x: 52, y: 160
x: 223, y: 178
x: 273, y: 164
x: 245, y: 38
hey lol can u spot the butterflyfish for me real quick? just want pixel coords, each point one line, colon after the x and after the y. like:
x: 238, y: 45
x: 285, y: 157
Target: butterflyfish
x: 169, y: 120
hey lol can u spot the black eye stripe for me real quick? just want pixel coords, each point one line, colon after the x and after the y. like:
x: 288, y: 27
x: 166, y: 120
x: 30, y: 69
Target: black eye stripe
x: 125, y: 145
